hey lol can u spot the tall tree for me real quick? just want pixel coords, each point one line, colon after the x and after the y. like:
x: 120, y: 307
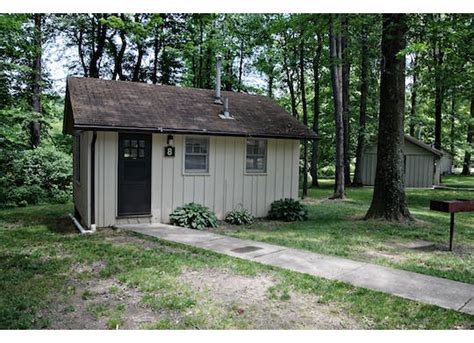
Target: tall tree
x: 119, y: 25
x: 99, y: 35
x: 289, y: 69
x: 316, y: 109
x: 466, y: 169
x: 36, y: 67
x: 364, y: 90
x: 346, y: 69
x: 305, y: 111
x: 35, y: 125
x: 335, y: 56
x: 388, y: 200
x: 412, y: 119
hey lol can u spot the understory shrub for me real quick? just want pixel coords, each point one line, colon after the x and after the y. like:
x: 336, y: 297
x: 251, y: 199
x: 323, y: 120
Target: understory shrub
x: 193, y: 216
x: 288, y: 210
x: 34, y: 175
x: 328, y: 171
x: 239, y: 216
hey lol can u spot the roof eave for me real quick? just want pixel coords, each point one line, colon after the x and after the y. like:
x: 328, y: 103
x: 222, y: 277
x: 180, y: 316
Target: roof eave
x: 85, y: 127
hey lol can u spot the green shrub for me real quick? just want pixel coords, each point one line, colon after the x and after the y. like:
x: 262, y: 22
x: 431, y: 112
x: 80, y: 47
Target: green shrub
x: 193, y: 216
x: 23, y: 203
x: 288, y: 210
x: 239, y: 216
x: 30, y: 194
x: 35, y: 175
x: 328, y: 171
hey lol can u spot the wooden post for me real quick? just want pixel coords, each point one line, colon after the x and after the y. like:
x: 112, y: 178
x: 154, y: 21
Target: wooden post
x: 451, y: 232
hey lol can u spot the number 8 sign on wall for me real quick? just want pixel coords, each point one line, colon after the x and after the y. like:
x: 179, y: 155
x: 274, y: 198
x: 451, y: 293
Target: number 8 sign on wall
x: 169, y: 151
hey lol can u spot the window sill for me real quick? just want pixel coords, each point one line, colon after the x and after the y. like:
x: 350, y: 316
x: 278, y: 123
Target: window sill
x: 196, y: 174
x: 255, y: 174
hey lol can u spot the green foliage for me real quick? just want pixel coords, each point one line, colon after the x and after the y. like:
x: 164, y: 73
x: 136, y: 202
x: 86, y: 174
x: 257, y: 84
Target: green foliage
x: 193, y: 216
x: 288, y: 210
x: 240, y: 216
x: 35, y: 175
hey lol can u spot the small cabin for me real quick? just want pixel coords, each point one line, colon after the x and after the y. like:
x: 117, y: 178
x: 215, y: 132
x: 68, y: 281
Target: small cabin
x: 446, y: 163
x: 142, y: 150
x: 421, y: 164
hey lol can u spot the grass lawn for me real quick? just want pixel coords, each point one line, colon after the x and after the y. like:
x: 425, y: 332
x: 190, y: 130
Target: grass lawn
x: 337, y: 228
x: 52, y: 277
x: 458, y: 181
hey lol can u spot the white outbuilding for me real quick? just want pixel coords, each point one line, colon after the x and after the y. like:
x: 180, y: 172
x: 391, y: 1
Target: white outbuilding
x: 421, y: 164
x: 142, y: 150
x: 446, y: 162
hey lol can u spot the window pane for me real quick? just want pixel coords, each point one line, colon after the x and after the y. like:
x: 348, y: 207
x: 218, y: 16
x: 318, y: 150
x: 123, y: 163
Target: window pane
x: 249, y: 164
x: 196, y: 145
x: 261, y: 147
x: 133, y: 153
x: 126, y: 152
x: 260, y: 163
x: 126, y: 143
x: 134, y: 143
x: 141, y: 143
x: 196, y: 162
x: 197, y: 151
x: 141, y: 153
x: 256, y: 155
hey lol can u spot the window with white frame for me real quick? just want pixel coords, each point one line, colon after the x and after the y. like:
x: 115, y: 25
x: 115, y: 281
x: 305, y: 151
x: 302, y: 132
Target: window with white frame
x: 256, y: 160
x: 77, y: 158
x: 196, y: 159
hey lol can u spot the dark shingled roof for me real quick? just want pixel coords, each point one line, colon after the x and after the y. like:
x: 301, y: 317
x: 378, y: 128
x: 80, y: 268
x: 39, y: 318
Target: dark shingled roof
x: 94, y: 104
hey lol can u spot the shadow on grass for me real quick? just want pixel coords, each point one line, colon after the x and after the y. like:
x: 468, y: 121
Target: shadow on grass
x: 53, y: 216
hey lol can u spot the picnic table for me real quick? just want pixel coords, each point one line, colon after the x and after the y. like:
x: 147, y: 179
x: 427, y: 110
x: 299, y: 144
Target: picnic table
x: 452, y: 206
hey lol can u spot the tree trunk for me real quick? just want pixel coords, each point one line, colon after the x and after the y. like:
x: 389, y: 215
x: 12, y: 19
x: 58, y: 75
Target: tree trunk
x: 439, y: 92
x: 305, y: 116
x: 228, y: 71
x: 316, y: 111
x: 364, y: 90
x: 200, y: 59
x: 270, y: 86
x: 271, y: 79
x: 118, y: 56
x: 412, y: 121
x: 80, y: 52
x: 35, y: 125
x: 388, y: 201
x: 241, y: 65
x: 336, y: 78
x: 453, y: 122
x: 97, y: 51
x: 346, y: 67
x: 470, y: 133
x: 36, y: 68
x: 156, y: 51
x: 138, y: 64
x: 291, y: 88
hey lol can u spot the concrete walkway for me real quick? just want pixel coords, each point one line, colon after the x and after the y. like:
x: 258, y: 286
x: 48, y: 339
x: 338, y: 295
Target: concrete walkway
x: 423, y: 288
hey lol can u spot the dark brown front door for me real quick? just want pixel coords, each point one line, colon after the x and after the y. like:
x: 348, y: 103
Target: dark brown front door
x: 134, y: 175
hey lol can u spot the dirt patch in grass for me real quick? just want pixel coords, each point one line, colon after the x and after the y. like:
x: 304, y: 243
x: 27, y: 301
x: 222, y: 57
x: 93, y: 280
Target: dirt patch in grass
x: 98, y: 304
x: 265, y: 306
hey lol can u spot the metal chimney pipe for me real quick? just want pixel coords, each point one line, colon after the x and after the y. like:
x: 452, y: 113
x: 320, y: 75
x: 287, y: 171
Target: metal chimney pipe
x: 226, y: 107
x: 217, y: 99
